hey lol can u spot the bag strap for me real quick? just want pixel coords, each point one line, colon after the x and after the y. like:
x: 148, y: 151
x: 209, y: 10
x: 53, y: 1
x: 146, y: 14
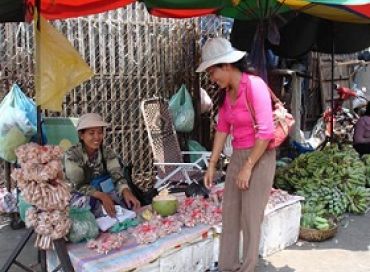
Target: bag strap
x: 274, y: 98
x: 249, y: 92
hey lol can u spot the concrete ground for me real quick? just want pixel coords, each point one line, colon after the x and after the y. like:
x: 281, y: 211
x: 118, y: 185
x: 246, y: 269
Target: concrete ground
x: 348, y: 251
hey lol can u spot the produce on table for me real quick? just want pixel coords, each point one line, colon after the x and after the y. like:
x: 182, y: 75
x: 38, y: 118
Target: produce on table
x: 191, y: 212
x: 106, y: 242
x: 164, y: 203
x: 332, y: 181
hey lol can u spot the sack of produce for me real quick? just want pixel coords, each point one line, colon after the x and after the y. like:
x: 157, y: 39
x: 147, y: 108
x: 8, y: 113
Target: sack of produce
x: 17, y: 123
x: 182, y: 111
x: 84, y: 226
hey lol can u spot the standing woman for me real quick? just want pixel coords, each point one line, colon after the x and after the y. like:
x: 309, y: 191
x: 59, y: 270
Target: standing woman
x: 251, y: 170
x: 95, y: 171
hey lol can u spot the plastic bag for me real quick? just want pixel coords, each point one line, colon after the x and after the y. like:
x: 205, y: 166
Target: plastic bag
x: 84, y: 226
x: 195, y: 146
x: 8, y: 201
x: 23, y: 206
x: 182, y: 111
x: 228, y: 147
x: 206, y: 103
x: 360, y: 100
x: 61, y: 67
x: 17, y: 123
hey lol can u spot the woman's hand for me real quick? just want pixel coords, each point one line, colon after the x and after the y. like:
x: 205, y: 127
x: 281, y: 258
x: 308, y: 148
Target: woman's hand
x: 209, y: 176
x: 107, y: 202
x: 242, y: 180
x: 130, y: 200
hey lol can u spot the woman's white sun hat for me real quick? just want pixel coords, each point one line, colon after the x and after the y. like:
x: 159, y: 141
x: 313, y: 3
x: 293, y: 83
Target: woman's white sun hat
x: 90, y: 120
x: 217, y: 51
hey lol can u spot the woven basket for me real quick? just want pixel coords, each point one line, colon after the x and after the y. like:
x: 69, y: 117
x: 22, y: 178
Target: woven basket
x: 315, y: 235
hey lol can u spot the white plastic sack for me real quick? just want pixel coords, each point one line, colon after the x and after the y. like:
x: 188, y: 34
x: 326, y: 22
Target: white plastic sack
x: 8, y: 201
x: 206, y: 103
x: 360, y: 100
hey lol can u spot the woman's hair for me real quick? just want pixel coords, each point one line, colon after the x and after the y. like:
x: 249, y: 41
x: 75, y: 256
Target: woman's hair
x: 82, y: 131
x: 367, y: 112
x: 243, y: 66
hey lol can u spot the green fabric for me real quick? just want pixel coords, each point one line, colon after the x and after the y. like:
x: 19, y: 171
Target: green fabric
x: 60, y: 130
x: 245, y: 10
x: 186, y: 4
x: 120, y: 226
x: 254, y: 9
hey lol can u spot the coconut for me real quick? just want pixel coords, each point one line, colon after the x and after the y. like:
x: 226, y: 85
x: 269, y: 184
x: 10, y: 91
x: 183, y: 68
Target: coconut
x: 164, y: 203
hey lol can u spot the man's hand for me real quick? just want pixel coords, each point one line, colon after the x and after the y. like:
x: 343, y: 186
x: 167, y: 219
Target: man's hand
x: 130, y: 200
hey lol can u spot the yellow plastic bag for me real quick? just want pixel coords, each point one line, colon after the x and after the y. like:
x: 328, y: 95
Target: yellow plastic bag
x: 60, y: 67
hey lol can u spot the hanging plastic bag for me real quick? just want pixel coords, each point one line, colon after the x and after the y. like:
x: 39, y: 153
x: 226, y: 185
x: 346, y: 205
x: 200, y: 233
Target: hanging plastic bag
x: 182, y: 111
x: 8, y: 201
x: 195, y: 146
x: 84, y: 226
x: 60, y: 67
x: 23, y: 206
x: 206, y: 103
x: 17, y: 122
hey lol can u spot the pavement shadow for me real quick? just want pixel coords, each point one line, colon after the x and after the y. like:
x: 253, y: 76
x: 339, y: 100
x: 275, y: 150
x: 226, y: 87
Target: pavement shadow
x: 266, y: 266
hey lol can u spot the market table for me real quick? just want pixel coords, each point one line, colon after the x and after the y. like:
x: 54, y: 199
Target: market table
x: 193, y: 249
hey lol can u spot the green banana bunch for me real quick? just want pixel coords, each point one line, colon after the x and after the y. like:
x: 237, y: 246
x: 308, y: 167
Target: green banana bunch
x: 358, y: 200
x: 321, y: 223
x: 333, y: 179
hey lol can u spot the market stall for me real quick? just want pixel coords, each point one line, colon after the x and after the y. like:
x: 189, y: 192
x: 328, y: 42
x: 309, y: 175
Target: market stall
x: 194, y: 248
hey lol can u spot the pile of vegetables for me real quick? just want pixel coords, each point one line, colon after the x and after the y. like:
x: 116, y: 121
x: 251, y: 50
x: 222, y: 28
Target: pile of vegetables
x: 332, y: 181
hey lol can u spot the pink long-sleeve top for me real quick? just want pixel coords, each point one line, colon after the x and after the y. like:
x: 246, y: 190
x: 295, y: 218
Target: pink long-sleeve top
x: 235, y: 118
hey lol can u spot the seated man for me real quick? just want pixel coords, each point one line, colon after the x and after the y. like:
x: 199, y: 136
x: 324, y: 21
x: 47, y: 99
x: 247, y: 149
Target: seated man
x: 95, y: 171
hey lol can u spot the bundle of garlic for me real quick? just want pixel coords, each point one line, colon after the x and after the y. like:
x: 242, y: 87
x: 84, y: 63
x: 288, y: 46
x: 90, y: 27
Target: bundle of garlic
x: 40, y: 179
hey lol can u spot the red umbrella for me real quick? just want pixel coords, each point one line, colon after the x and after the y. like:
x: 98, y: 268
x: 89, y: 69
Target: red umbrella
x: 62, y: 9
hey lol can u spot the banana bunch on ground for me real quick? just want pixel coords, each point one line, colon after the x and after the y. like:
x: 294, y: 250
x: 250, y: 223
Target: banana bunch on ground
x: 321, y: 223
x: 334, y: 178
x: 359, y: 199
x: 312, y: 217
x: 366, y: 160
